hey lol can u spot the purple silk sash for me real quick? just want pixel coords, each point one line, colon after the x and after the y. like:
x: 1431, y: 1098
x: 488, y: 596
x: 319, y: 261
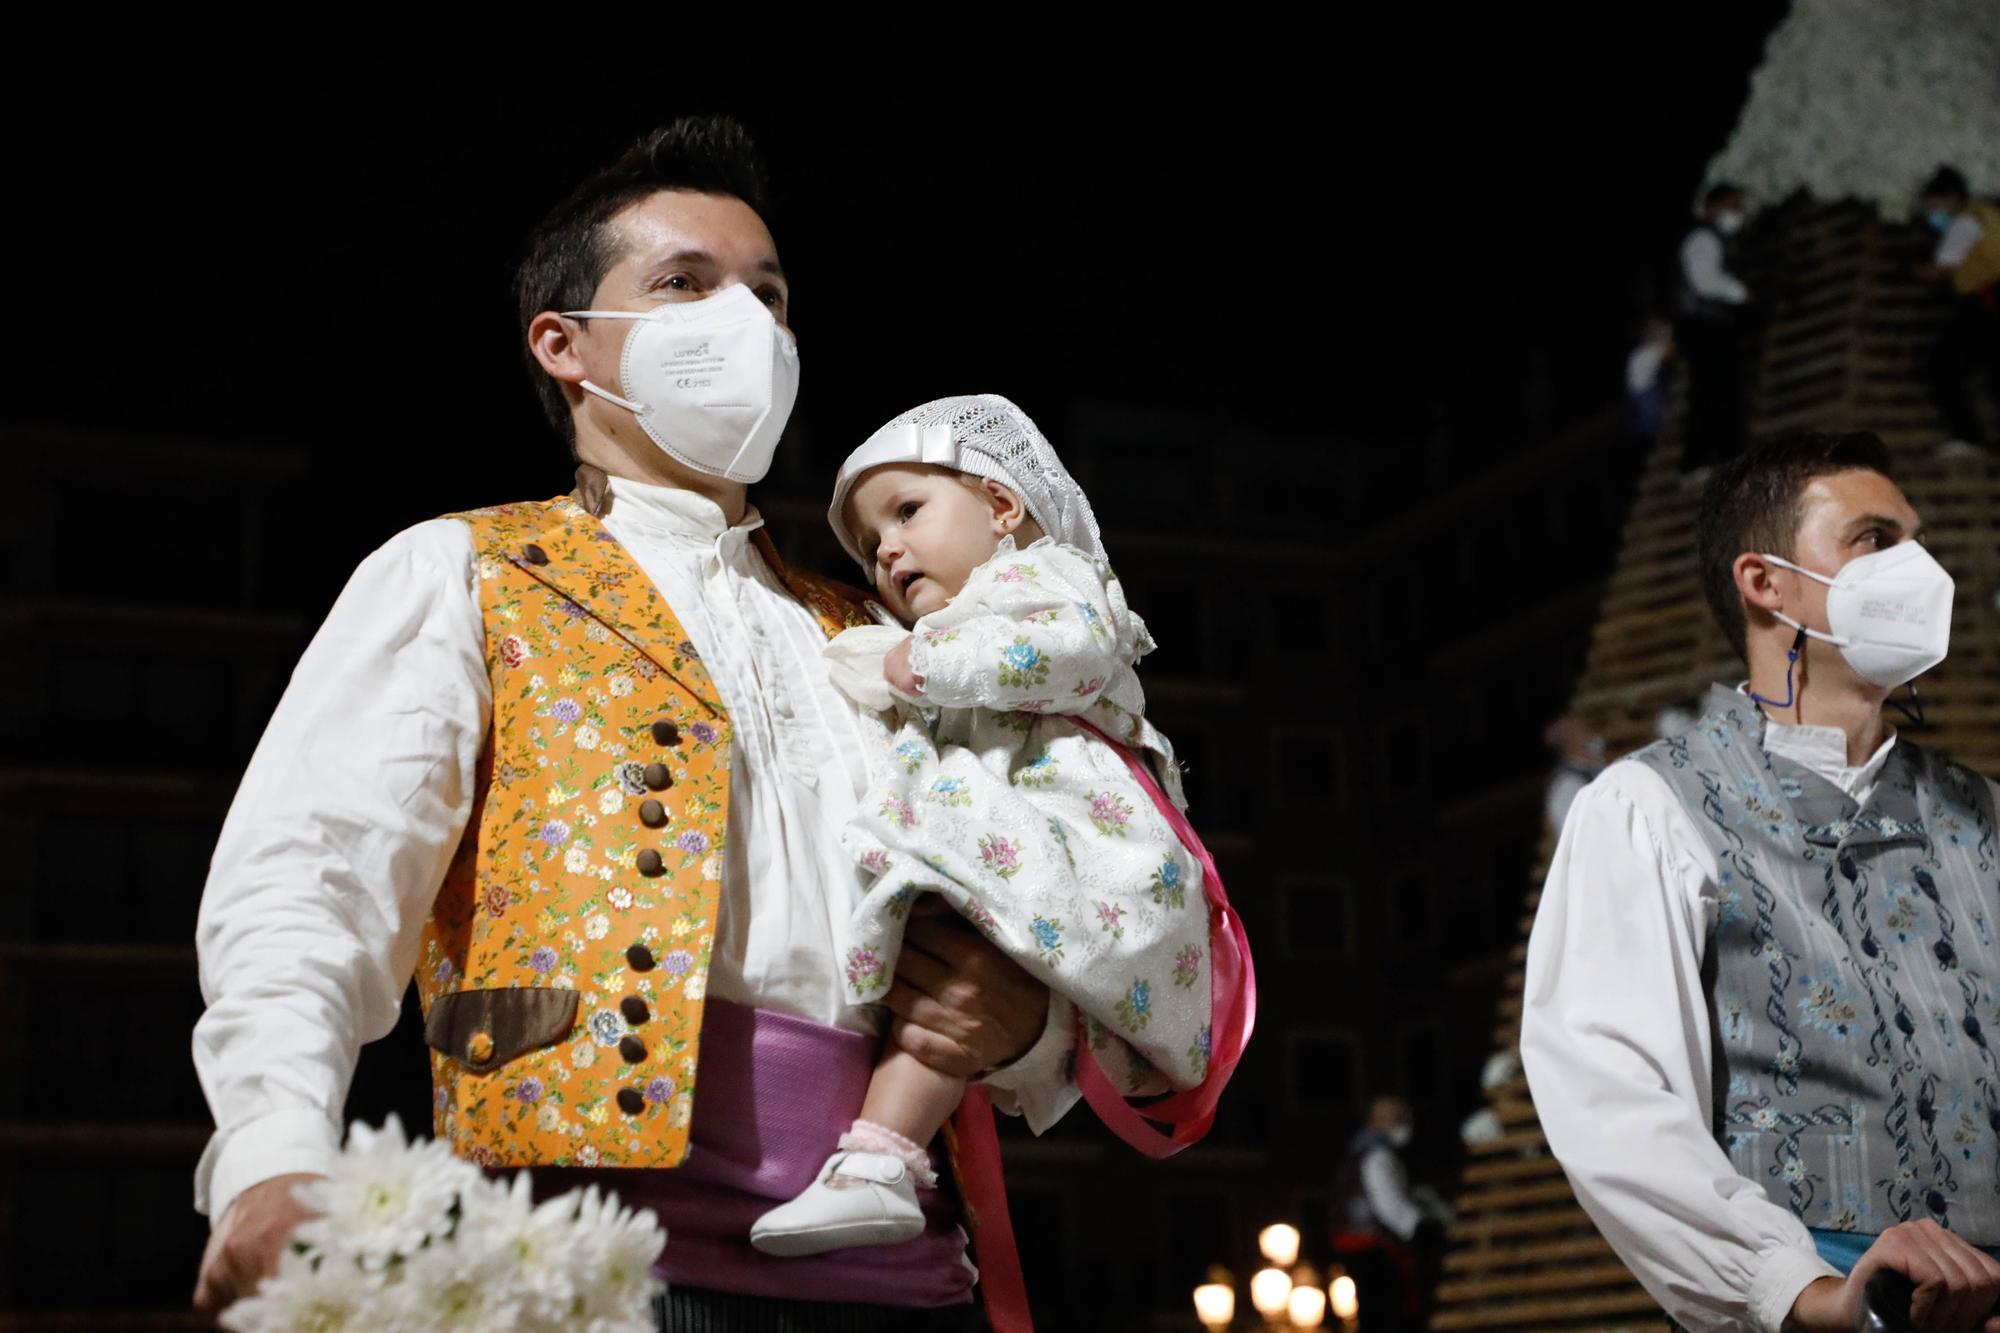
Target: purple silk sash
x: 775, y: 1094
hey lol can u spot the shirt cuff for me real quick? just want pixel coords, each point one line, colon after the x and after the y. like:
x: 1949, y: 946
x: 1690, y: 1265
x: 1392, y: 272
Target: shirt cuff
x: 297, y: 1139
x: 1039, y: 1086
x: 1785, y: 1274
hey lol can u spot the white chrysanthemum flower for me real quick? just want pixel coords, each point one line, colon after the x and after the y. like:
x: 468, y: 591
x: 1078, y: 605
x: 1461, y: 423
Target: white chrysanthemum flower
x: 617, y: 1247
x: 309, y: 1294
x: 533, y: 1244
x: 385, y: 1196
x: 412, y: 1238
x: 464, y: 1285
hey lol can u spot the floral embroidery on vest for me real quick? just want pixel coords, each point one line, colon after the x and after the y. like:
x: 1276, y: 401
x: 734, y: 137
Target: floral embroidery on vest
x: 593, y: 858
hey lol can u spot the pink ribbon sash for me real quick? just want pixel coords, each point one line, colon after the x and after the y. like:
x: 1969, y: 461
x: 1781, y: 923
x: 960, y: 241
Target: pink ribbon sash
x: 1187, y: 1115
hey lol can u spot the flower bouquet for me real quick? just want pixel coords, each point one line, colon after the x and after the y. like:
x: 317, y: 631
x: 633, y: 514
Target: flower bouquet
x: 411, y: 1237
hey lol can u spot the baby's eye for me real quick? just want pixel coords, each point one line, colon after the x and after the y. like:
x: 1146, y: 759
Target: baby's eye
x: 907, y: 510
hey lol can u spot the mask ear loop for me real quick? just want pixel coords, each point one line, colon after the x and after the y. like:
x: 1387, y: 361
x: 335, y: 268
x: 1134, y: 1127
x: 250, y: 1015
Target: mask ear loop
x: 1791, y: 661
x: 1913, y: 711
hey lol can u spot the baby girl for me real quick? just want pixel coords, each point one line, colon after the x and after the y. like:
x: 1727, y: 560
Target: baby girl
x: 1012, y: 783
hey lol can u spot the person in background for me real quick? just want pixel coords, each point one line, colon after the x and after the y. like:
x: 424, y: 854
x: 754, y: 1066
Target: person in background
x: 1579, y: 758
x: 1647, y: 379
x: 1388, y: 1234
x: 1708, y: 332
x: 1968, y: 260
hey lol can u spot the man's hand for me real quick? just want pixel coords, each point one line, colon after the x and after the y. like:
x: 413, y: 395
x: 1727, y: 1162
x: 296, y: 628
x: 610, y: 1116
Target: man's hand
x: 896, y: 669
x: 243, y: 1248
x: 961, y: 1005
x: 1956, y: 1285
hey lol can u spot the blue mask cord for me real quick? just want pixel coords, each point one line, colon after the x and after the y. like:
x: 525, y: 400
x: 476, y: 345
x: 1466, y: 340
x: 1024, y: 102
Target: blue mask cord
x: 1791, y: 661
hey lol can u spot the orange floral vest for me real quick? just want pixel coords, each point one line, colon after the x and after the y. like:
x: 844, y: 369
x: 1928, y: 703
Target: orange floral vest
x: 566, y: 958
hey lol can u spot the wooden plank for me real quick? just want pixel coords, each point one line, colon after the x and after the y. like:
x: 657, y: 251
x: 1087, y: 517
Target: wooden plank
x: 1573, y: 1277
x: 1516, y: 1168
x: 1542, y: 1312
x: 1541, y: 1222
x: 1524, y: 1256
x: 1523, y: 1141
x: 1502, y: 1197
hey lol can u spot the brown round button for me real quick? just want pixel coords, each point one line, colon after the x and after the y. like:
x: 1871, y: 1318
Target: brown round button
x: 632, y: 1049
x: 640, y: 957
x: 658, y: 778
x: 631, y: 1101
x: 666, y: 733
x: 652, y: 814
x: 536, y: 555
x: 634, y: 1009
x: 651, y: 863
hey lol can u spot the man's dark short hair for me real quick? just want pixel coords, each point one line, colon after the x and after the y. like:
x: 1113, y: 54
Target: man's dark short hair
x: 1946, y: 183
x: 571, y: 249
x: 1720, y: 191
x: 1752, y: 504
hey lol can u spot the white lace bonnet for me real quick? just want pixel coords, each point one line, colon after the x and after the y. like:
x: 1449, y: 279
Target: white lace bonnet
x: 987, y: 436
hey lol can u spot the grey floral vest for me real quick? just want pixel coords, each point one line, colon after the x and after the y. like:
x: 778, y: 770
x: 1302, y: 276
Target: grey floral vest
x: 1851, y: 976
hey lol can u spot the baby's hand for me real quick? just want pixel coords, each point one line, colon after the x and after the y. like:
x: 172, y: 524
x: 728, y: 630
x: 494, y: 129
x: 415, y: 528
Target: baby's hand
x: 896, y: 669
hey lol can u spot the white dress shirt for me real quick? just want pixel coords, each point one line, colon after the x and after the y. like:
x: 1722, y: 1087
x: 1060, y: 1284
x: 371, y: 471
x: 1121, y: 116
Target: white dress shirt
x: 362, y: 786
x: 1958, y: 240
x: 1386, y: 1186
x: 1701, y: 262
x: 1615, y: 1039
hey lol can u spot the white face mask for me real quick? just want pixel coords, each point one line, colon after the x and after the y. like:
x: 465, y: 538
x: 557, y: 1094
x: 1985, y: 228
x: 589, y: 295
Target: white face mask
x: 1729, y: 223
x: 1889, y: 612
x: 711, y: 381
x: 1401, y: 1134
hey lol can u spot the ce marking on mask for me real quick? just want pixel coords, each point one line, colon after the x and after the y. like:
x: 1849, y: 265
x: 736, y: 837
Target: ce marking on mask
x: 697, y: 367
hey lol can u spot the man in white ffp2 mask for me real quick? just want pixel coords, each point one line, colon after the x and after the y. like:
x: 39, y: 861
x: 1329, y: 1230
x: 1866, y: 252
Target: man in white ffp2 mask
x: 635, y: 665
x: 1759, y: 993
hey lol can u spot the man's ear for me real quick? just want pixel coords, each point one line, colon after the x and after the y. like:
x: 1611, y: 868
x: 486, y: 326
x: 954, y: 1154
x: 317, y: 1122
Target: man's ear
x: 552, y: 340
x: 1008, y: 507
x: 1756, y: 582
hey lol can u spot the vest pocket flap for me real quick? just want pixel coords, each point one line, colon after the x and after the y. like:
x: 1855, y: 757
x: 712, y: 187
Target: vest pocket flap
x: 484, y: 1029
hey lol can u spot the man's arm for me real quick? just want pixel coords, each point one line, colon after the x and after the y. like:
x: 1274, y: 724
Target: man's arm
x: 1614, y: 1037
x: 1701, y: 261
x: 1388, y: 1192
x: 332, y: 852
x: 962, y: 1006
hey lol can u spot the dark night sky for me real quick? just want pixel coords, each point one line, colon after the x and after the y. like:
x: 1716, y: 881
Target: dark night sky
x: 1383, y: 231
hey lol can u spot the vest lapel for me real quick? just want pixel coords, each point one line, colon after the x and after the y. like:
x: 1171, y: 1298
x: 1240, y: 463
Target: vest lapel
x: 1827, y: 816
x: 575, y: 556
x: 1891, y: 815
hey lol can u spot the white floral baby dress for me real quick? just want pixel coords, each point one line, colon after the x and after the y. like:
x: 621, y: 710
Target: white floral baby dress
x: 989, y: 795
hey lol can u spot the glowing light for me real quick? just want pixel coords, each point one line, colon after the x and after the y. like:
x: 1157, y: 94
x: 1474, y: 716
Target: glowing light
x: 1346, y: 1304
x: 1215, y: 1305
x: 1280, y: 1244
x: 1307, y: 1307
x: 1270, y: 1290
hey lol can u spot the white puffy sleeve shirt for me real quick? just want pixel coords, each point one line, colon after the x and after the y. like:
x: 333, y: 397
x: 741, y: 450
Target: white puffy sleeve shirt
x: 1701, y: 262
x: 362, y: 786
x: 1615, y: 1038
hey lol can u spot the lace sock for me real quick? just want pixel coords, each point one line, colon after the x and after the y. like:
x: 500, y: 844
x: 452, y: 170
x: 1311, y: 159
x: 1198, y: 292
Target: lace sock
x: 867, y: 1136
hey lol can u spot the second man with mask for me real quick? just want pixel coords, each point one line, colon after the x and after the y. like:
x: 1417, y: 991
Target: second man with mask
x: 1761, y: 985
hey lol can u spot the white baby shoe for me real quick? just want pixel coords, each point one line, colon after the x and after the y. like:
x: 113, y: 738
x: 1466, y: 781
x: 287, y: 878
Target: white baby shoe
x: 859, y: 1198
